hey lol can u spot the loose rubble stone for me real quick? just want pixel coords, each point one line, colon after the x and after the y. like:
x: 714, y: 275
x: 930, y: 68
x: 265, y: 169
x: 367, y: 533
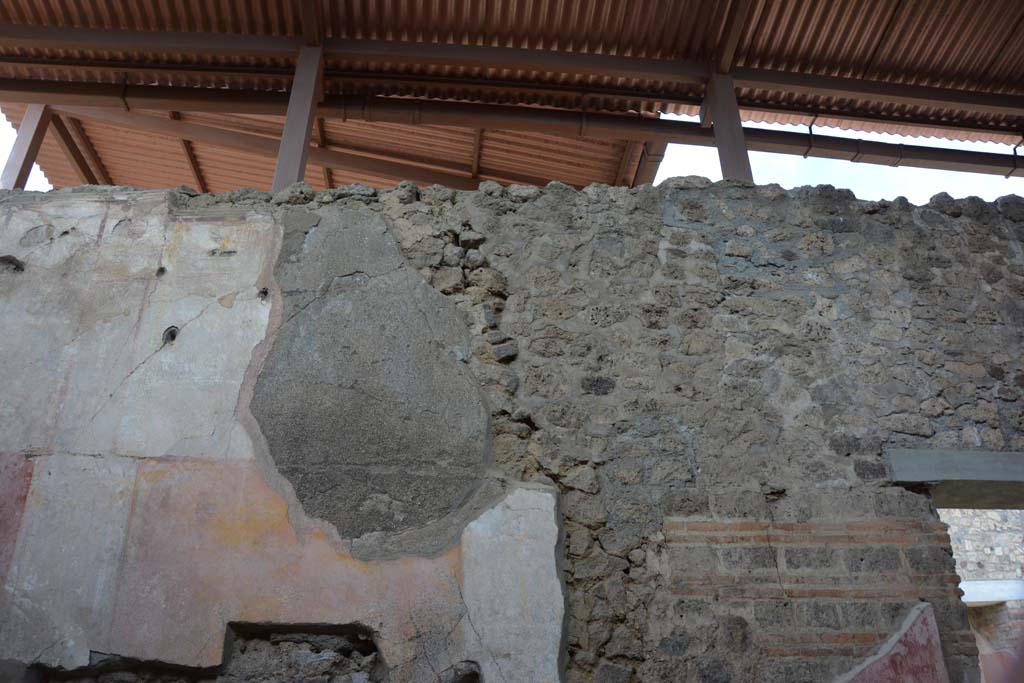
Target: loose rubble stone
x: 298, y: 193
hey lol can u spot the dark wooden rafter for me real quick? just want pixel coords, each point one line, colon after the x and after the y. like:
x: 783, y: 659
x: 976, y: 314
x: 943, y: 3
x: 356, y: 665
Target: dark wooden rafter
x: 478, y: 142
x: 190, y: 157
x: 309, y: 19
x: 321, y: 142
x: 189, y: 153
x: 26, y: 146
x: 735, y: 22
x: 632, y: 152
x: 523, y: 59
x: 85, y: 145
x: 74, y: 155
x: 33, y: 37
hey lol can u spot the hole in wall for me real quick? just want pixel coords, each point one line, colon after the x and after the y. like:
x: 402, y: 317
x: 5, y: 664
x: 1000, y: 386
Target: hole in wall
x: 263, y: 293
x: 160, y: 271
x: 252, y: 652
x: 12, y: 263
x: 170, y: 334
x: 463, y: 672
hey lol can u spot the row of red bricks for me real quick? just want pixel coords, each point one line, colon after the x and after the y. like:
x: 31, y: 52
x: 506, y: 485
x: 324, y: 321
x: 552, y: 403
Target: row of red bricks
x: 890, y: 532
x: 855, y: 644
x: 898, y: 524
x: 902, y: 540
x: 765, y: 592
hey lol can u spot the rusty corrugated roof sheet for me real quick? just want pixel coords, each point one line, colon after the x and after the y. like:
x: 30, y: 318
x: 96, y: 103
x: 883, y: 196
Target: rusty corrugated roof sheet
x: 943, y: 43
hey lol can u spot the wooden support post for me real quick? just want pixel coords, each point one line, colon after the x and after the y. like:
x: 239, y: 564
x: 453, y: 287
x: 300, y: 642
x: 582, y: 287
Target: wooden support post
x: 26, y: 146
x: 298, y: 125
x: 75, y: 156
x: 720, y: 105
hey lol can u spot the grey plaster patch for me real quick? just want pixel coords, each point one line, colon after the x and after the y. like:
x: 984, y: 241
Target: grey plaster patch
x: 365, y: 400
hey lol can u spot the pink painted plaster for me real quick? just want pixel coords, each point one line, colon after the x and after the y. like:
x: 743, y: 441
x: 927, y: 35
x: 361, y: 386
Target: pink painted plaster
x: 911, y: 655
x: 15, y: 477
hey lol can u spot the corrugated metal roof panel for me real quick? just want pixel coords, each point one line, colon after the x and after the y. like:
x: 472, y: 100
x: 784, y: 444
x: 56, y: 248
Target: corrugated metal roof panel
x: 577, y: 162
x: 947, y: 43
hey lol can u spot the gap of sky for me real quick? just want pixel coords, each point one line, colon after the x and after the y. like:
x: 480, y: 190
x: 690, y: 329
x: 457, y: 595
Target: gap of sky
x: 867, y: 181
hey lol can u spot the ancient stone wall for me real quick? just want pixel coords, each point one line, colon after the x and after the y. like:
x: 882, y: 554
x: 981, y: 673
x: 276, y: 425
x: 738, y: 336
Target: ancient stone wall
x: 706, y: 373
x: 987, y: 544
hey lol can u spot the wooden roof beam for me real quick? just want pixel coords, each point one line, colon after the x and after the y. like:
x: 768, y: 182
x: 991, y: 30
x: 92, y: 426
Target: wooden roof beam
x: 34, y: 37
x: 190, y: 158
x: 478, y: 141
x: 75, y: 157
x: 879, y: 91
x: 309, y: 19
x: 521, y: 59
x: 166, y: 98
x: 99, y: 169
x: 321, y: 142
x: 735, y: 22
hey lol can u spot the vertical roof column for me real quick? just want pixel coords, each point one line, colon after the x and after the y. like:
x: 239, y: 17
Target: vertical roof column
x: 721, y: 109
x: 26, y: 147
x: 307, y: 92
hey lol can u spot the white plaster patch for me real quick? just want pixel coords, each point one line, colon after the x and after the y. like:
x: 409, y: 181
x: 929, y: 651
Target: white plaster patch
x: 60, y: 591
x: 89, y: 367
x: 153, y: 397
x: 513, y: 590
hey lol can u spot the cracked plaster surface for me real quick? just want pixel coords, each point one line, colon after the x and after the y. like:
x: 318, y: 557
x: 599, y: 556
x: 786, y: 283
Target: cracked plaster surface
x: 152, y: 515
